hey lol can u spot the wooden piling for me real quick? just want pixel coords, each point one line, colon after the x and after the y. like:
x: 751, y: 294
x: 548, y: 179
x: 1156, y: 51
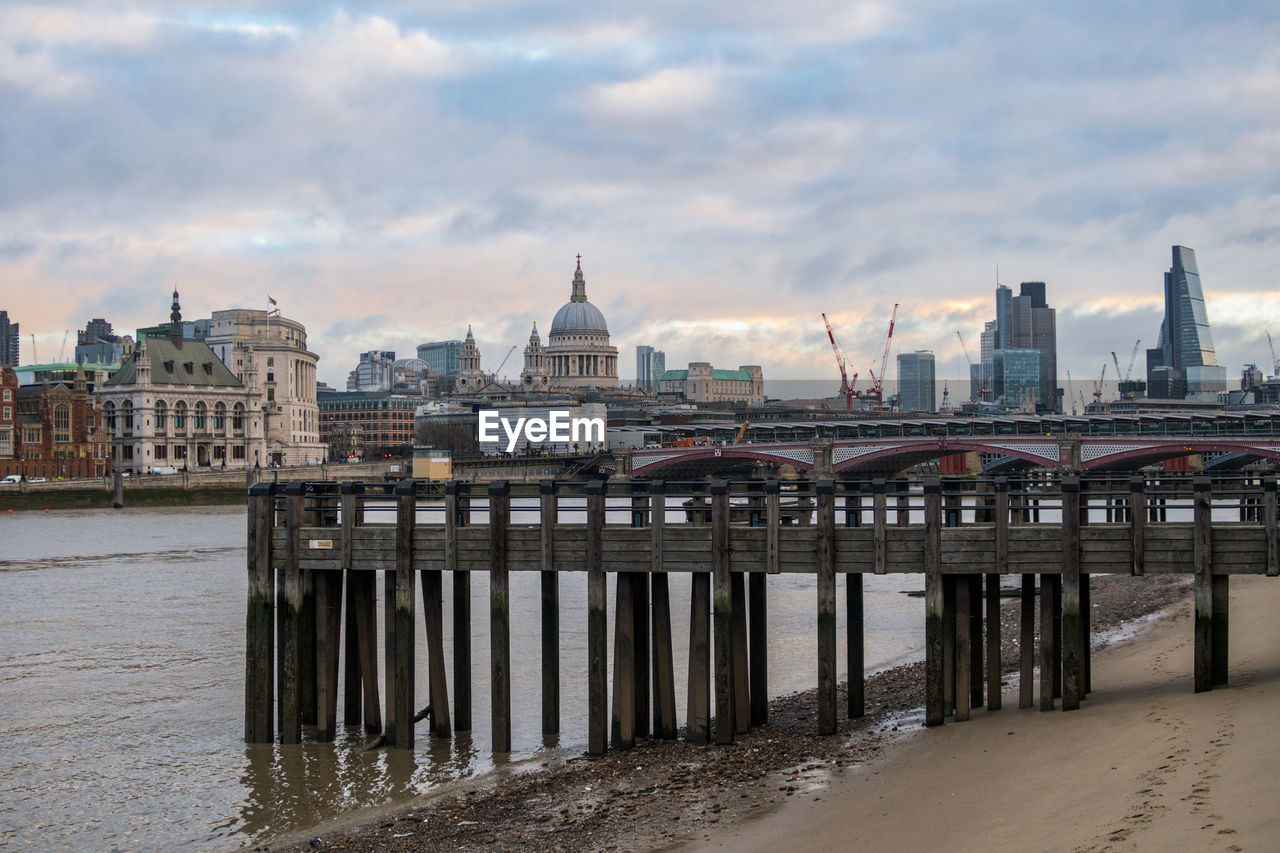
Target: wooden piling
x: 976, y: 671
x: 934, y: 713
x: 1072, y: 630
x: 352, y: 680
x: 550, y: 588
x: 597, y: 622
x: 288, y: 620
x: 499, y: 616
x: 963, y: 656
x: 433, y: 621
x: 623, y: 721
x: 640, y: 615
x: 741, y: 671
x: 855, y: 641
x: 403, y: 693
x: 259, y: 685
x: 773, y: 523
x: 826, y: 582
x: 1202, y: 557
x: 1000, y: 518
x: 1048, y: 640
x: 1269, y: 511
x: 457, y: 503
x: 1137, y: 524
x: 879, y: 521
x: 757, y: 606
x: 328, y: 597
x: 722, y: 608
x: 664, y: 689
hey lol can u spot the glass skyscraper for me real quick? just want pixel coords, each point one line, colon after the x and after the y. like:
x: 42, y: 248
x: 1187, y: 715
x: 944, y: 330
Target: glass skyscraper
x: 1183, y: 363
x: 916, y: 381
x: 443, y: 357
x: 1016, y: 376
x: 650, y: 365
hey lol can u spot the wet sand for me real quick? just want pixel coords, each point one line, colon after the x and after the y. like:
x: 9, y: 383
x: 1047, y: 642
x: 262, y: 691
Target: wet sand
x: 1146, y: 764
x: 1009, y: 779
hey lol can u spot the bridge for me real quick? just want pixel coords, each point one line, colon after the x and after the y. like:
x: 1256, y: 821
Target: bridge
x: 885, y: 456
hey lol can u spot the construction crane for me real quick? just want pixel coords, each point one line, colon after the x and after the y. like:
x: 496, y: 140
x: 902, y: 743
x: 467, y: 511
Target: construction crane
x: 1132, y: 356
x: 877, y: 379
x: 1275, y: 362
x: 1069, y: 394
x: 62, y: 353
x: 34, y: 359
x: 504, y: 361
x: 742, y: 430
x: 1097, y: 386
x: 1116, y: 361
x: 846, y: 384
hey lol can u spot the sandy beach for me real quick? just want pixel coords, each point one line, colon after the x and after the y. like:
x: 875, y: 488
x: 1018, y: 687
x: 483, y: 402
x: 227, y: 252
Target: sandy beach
x: 1146, y: 764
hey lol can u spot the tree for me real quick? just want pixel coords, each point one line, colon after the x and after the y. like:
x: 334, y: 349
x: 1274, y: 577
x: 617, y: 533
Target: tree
x: 458, y: 439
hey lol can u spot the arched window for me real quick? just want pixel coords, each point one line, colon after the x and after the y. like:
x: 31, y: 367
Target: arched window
x: 197, y: 420
x: 126, y: 416
x: 109, y: 417
x: 162, y: 416
x: 62, y: 423
x: 179, y: 416
x: 237, y: 418
x: 219, y: 417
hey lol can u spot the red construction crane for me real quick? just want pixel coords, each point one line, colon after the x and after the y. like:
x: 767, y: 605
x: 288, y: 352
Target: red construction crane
x: 846, y: 384
x: 877, y: 379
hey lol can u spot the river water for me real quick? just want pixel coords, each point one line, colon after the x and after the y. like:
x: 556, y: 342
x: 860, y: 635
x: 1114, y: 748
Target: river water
x: 122, y: 686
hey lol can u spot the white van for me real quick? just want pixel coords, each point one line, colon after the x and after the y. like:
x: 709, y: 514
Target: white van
x: 12, y: 478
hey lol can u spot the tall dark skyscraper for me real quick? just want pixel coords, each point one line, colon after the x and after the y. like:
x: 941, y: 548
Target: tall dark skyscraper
x: 1183, y: 363
x: 8, y: 341
x: 1026, y: 322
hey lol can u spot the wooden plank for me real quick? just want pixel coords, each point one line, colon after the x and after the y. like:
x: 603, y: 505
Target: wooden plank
x: 499, y: 617
x: 597, y: 623
x: 664, y: 693
x: 1202, y: 555
x: 259, y: 686
x: 722, y: 604
x: 1072, y: 630
x: 657, y: 524
x: 288, y: 625
x: 826, y: 591
x: 934, y: 714
x: 405, y: 620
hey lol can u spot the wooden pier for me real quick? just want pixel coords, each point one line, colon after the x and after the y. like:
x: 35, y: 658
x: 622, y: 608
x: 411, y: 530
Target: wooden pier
x: 314, y: 548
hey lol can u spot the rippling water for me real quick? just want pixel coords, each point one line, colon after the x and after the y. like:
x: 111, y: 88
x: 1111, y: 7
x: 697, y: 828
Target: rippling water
x: 122, y: 685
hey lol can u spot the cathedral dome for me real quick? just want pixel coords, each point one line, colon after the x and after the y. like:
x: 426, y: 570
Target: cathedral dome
x: 578, y: 315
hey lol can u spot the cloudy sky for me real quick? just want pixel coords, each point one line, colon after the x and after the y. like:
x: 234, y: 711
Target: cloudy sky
x: 391, y: 172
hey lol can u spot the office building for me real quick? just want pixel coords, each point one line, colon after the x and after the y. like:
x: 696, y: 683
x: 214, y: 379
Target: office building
x: 1016, y: 376
x: 8, y: 341
x: 650, y: 365
x: 1183, y: 364
x: 374, y: 372
x: 1023, y: 322
x: 702, y: 383
x: 442, y: 357
x: 916, y: 381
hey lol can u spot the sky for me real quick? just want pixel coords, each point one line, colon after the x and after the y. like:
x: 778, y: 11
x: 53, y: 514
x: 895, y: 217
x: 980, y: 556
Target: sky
x: 392, y: 172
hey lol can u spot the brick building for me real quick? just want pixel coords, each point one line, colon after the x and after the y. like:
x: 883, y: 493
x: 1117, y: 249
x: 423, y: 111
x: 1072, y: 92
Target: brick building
x: 50, y: 430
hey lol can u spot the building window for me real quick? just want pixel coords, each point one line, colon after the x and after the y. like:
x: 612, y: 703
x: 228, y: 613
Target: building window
x: 237, y: 452
x: 219, y: 417
x: 162, y: 416
x: 197, y: 420
x: 8, y: 413
x: 126, y: 415
x: 179, y: 416
x: 162, y: 451
x: 6, y: 442
x: 237, y: 418
x: 62, y: 424
x: 8, y: 394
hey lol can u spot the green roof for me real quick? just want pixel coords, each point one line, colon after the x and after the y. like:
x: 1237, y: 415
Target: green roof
x: 674, y: 376
x: 188, y: 363
x: 732, y: 375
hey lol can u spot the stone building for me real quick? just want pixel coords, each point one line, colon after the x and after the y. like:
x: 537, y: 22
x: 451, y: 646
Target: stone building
x: 268, y: 354
x: 578, y: 351
x: 175, y: 404
x: 702, y: 383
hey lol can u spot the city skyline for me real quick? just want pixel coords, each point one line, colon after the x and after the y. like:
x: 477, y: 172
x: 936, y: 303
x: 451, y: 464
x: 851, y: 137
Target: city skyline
x: 391, y: 177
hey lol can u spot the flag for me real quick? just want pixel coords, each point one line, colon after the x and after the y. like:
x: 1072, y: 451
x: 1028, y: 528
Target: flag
x: 272, y: 301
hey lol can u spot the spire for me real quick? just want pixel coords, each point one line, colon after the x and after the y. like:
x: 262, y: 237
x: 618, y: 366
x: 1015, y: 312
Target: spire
x: 579, y: 284
x: 175, y: 320
x: 533, y: 336
x: 469, y: 335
